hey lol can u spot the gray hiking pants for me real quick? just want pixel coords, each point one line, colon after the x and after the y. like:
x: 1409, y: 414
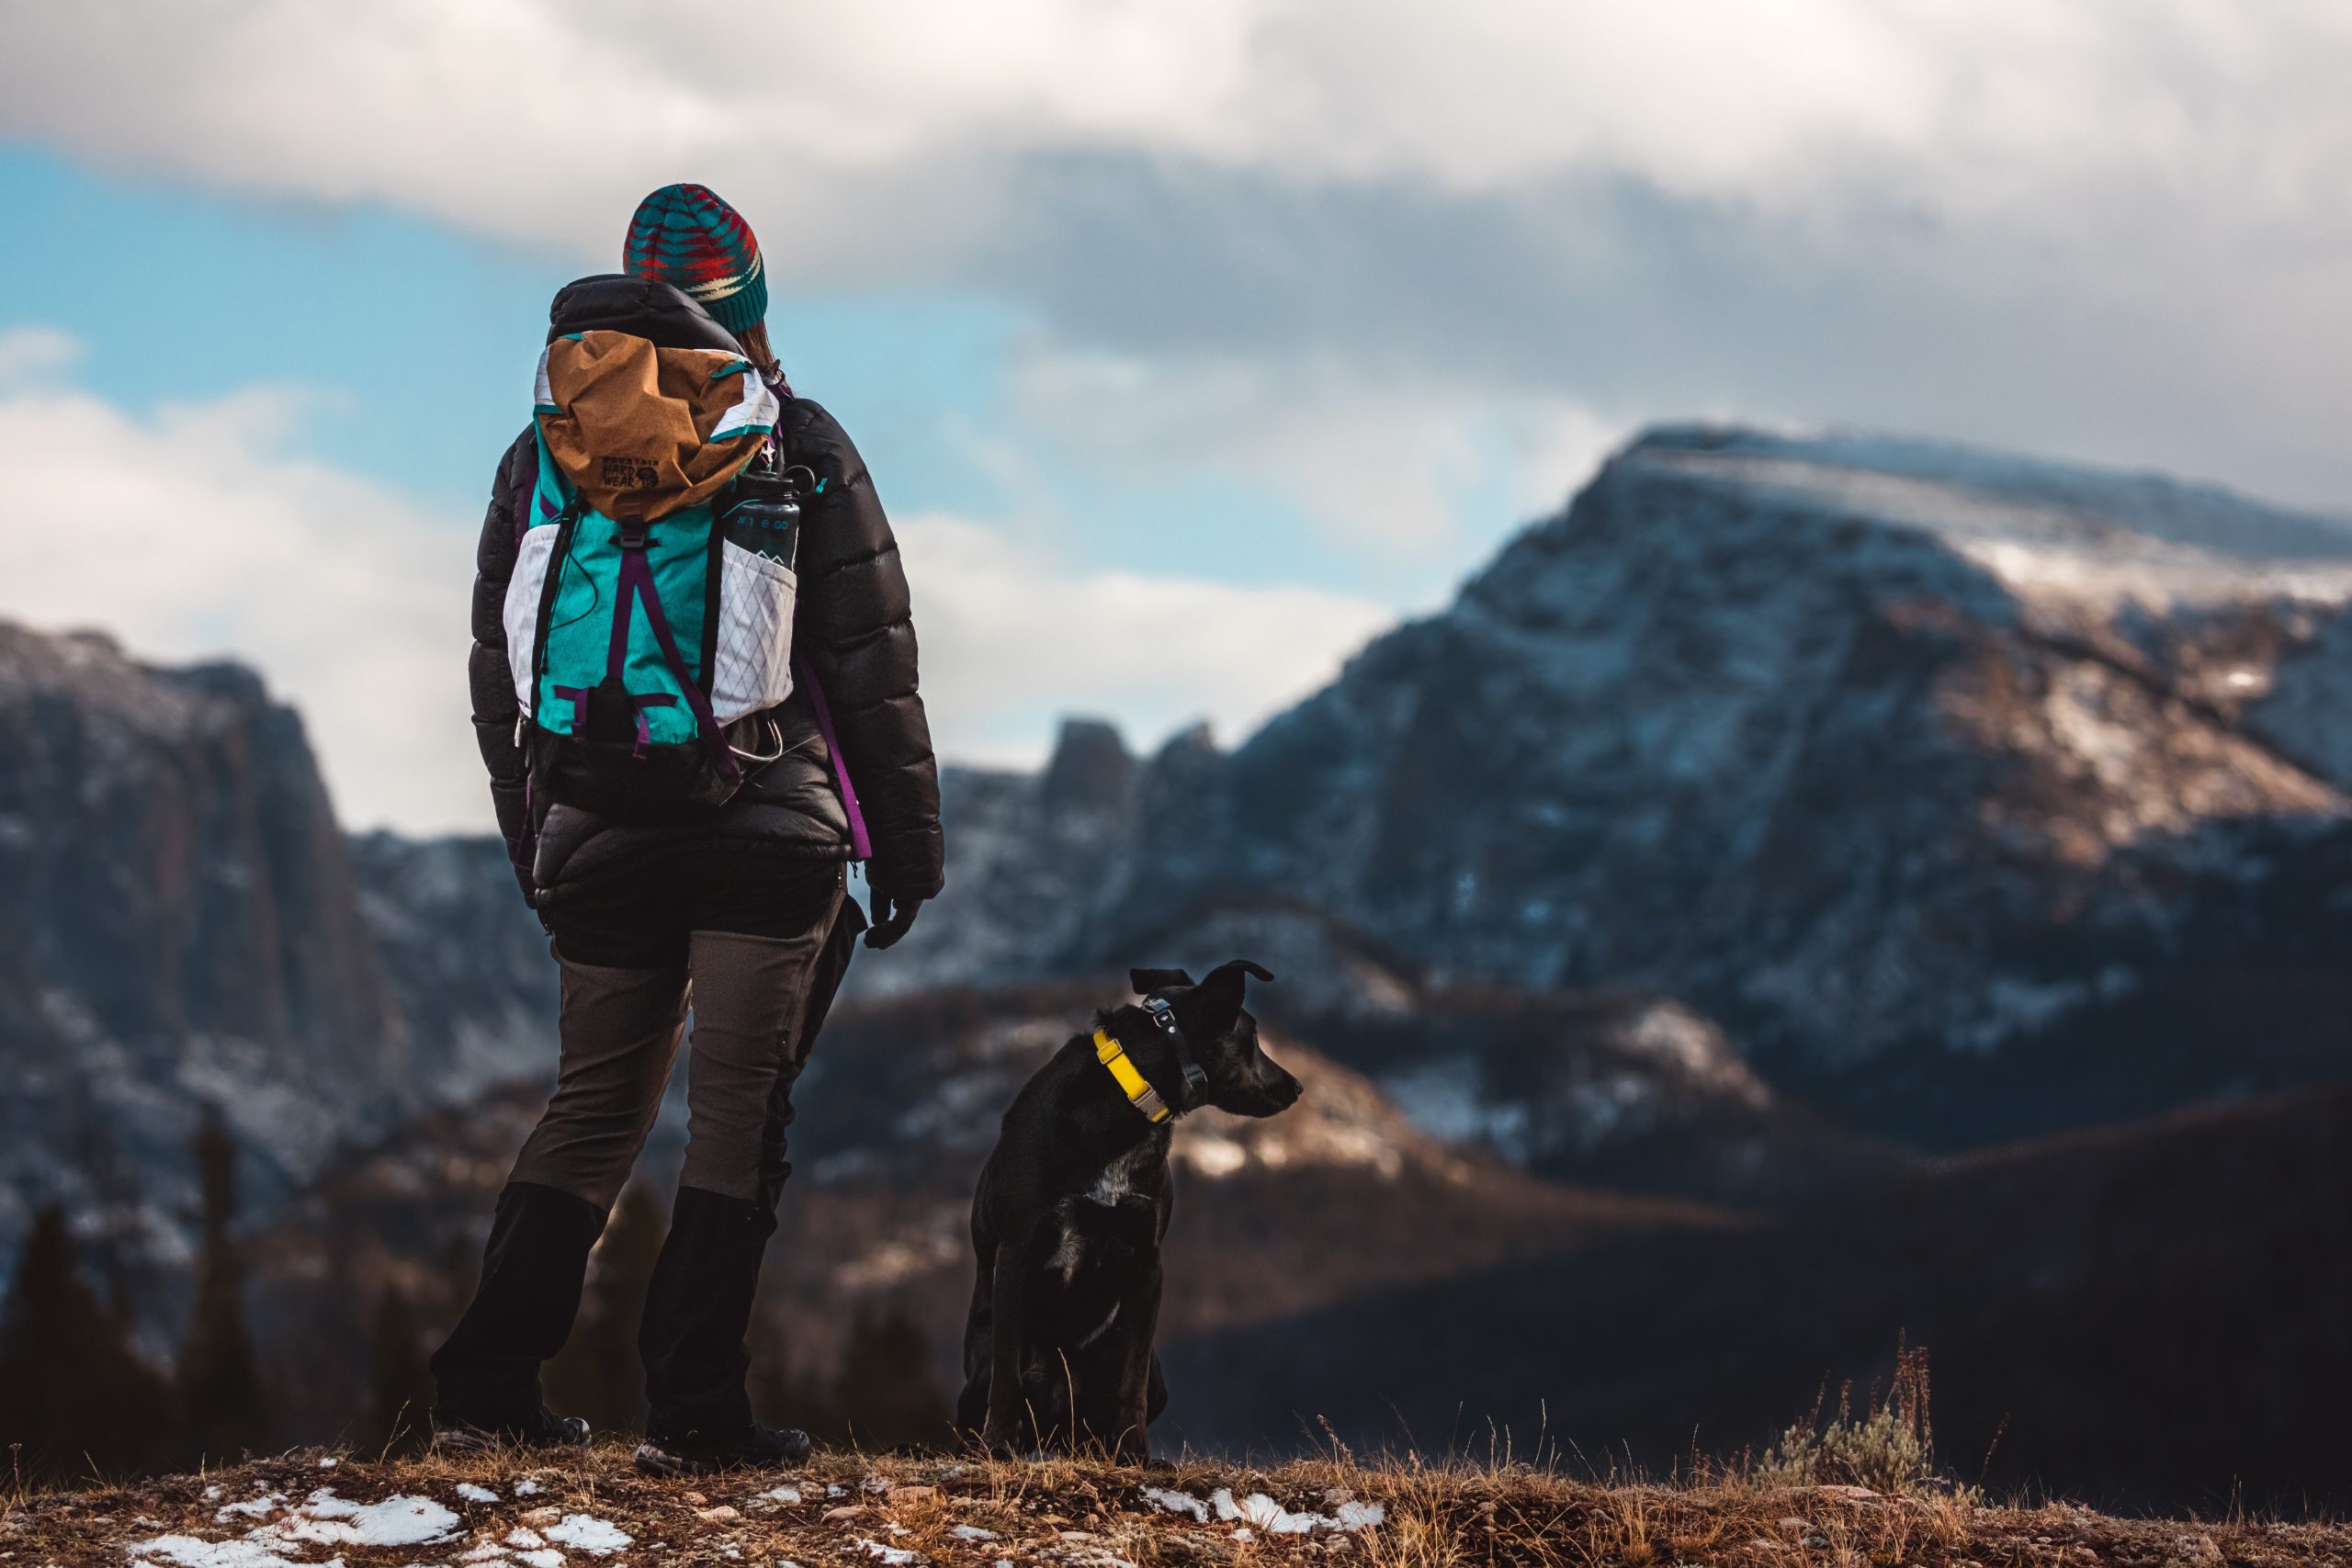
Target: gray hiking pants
x: 758, y: 997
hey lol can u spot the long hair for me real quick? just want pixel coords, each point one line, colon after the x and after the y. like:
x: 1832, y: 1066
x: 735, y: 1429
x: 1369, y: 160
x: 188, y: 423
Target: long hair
x: 754, y: 342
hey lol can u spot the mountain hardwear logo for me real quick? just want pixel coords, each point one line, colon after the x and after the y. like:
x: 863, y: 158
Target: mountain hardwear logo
x: 629, y: 473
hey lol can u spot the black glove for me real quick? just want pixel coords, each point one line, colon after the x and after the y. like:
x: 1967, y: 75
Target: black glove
x: 892, y: 915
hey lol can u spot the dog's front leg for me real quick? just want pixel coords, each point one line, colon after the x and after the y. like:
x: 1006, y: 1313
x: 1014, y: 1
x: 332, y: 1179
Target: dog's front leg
x: 1009, y: 1293
x: 1141, y: 1312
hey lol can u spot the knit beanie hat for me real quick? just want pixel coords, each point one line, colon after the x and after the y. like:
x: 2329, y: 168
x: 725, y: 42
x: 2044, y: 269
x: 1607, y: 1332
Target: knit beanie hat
x: 685, y: 236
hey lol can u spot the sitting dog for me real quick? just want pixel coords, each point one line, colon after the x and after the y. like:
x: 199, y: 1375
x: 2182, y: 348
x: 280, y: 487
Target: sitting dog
x: 1072, y: 1207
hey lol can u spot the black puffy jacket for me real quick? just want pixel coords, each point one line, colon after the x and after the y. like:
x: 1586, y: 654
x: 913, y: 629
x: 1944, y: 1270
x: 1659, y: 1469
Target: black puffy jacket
x: 853, y: 630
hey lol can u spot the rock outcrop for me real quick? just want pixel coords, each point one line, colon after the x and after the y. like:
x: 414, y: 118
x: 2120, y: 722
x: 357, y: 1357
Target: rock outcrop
x: 1867, y: 749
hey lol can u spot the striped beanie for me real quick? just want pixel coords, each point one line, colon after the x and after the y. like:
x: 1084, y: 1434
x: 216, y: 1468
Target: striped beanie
x: 685, y: 236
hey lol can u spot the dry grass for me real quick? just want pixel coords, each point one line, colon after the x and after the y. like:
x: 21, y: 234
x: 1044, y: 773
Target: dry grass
x: 859, y: 1509
x: 1889, y: 1448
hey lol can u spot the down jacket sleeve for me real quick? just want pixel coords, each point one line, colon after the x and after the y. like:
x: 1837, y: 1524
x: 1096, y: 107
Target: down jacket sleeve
x: 495, y: 707
x: 854, y: 629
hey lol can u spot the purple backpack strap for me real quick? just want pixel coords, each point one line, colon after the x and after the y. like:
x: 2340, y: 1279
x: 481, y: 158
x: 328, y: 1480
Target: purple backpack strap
x: 858, y: 839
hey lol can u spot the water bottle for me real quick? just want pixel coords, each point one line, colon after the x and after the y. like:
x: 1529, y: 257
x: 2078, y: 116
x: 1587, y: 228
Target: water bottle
x: 762, y: 513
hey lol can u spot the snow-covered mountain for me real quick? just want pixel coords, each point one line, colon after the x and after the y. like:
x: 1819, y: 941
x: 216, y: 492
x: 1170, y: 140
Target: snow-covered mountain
x: 1861, y: 747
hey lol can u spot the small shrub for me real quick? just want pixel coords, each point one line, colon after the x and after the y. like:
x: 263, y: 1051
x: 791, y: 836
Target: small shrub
x: 1889, y: 1448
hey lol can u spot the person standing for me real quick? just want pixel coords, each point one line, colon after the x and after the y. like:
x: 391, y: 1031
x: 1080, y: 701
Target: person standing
x: 779, y: 710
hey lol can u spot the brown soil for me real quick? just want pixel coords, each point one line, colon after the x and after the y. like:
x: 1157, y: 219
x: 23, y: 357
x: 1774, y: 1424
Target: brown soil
x: 941, y: 1513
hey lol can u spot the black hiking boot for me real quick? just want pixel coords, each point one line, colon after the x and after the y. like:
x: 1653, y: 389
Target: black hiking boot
x: 543, y: 1429
x: 697, y: 1309
x: 751, y: 1446
x: 486, y: 1375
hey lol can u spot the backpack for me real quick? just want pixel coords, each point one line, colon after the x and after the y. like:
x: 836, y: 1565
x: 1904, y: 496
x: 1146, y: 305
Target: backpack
x: 649, y: 612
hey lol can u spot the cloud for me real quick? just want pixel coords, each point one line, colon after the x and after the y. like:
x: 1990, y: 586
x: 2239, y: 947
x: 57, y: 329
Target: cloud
x: 1009, y: 639
x: 1407, y: 268
x: 34, y: 355
x: 2104, y: 227
x: 192, y: 532
x: 530, y: 116
x: 1396, y: 468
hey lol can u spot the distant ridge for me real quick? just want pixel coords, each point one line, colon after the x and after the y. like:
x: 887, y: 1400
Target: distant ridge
x: 1880, y: 752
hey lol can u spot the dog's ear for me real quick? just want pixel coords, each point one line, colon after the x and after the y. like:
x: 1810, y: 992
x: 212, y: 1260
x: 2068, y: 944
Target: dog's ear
x: 1147, y: 981
x: 1212, y: 1006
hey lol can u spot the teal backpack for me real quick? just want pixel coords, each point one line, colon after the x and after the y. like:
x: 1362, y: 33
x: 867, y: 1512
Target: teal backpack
x: 649, y: 618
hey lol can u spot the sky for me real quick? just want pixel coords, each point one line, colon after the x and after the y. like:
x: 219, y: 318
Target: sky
x: 1190, y: 344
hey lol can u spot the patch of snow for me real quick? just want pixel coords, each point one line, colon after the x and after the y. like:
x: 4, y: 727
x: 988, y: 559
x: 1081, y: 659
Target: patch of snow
x: 1177, y: 1502
x: 545, y: 1557
x: 254, y: 1507
x: 2014, y: 1006
x: 329, y: 1462
x: 525, y: 1537
x: 336, y: 1521
x: 527, y: 1489
x: 891, y: 1556
x: 187, y: 1552
x: 972, y: 1532
x: 468, y: 1492
x: 1446, y: 1098
x: 587, y: 1533
x: 780, y: 1495
x: 1265, y: 1513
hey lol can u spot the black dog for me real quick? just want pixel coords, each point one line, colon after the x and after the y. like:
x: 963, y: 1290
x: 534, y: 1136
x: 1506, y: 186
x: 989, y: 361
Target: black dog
x: 1074, y: 1203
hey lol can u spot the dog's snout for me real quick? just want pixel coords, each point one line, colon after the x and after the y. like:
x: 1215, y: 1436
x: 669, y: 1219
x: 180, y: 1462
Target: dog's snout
x: 1284, y: 1090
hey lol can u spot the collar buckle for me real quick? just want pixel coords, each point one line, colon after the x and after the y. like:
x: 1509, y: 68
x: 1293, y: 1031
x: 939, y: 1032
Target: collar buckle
x: 1196, y: 1078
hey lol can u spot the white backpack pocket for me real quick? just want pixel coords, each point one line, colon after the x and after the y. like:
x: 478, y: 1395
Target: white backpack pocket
x: 752, y: 668
x: 524, y: 591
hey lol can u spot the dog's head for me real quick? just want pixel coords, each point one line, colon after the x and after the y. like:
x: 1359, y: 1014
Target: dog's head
x: 1242, y: 1079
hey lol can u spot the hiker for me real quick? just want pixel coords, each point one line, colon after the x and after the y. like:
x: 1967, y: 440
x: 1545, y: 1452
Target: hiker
x: 693, y: 684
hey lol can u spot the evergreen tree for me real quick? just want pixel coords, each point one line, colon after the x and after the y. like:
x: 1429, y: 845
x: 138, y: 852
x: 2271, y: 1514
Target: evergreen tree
x: 598, y: 1375
x: 220, y: 1380
x: 73, y: 1393
x: 400, y: 1384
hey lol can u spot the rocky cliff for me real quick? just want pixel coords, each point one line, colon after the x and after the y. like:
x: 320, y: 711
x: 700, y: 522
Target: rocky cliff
x: 181, y: 923
x: 1872, y: 750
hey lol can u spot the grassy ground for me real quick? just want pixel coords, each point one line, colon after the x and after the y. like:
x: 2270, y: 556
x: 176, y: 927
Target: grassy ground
x: 908, y: 1513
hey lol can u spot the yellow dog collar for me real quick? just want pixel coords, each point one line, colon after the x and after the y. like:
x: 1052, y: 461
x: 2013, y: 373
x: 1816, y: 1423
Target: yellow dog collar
x: 1139, y: 1093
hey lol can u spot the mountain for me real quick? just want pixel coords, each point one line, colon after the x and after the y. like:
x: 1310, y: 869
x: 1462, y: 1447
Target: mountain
x: 468, y: 963
x: 180, y: 926
x: 182, y: 922
x: 1705, y: 943
x: 1773, y: 789
x: 1893, y: 759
